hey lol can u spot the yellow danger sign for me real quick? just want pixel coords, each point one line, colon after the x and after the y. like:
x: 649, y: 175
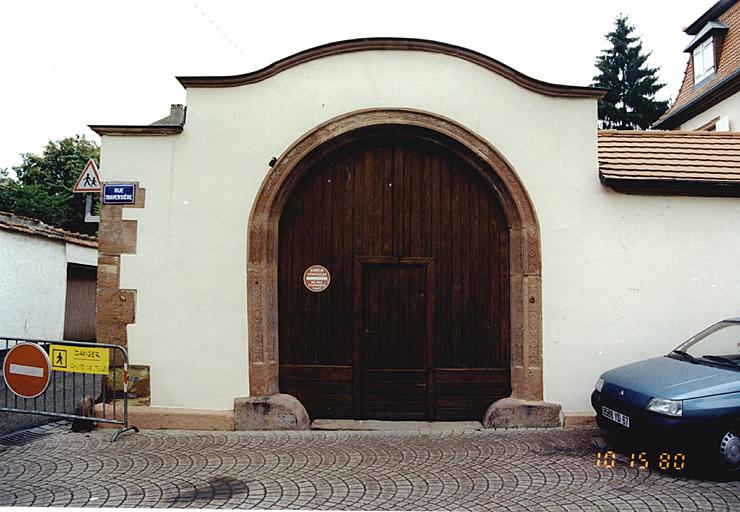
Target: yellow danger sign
x: 67, y: 358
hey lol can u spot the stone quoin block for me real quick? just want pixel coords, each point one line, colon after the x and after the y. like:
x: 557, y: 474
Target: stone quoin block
x: 511, y: 412
x: 274, y: 412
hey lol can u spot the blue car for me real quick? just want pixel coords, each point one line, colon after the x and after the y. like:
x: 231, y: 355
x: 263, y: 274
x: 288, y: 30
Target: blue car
x: 691, y: 395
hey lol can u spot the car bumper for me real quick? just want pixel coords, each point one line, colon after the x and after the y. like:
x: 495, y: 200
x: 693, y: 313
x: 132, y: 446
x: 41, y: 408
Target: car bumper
x: 644, y: 424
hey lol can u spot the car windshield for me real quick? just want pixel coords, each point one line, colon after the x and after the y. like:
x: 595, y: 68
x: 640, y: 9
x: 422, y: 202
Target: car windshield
x: 719, y: 343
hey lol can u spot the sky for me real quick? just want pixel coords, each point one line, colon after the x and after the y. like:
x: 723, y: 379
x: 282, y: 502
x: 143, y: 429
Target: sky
x: 67, y: 64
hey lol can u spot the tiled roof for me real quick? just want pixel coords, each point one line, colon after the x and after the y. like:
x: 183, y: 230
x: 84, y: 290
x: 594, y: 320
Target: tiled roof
x: 29, y: 226
x: 729, y: 65
x: 673, y: 162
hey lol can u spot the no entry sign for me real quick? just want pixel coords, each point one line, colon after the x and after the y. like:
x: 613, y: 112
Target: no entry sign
x: 27, y: 370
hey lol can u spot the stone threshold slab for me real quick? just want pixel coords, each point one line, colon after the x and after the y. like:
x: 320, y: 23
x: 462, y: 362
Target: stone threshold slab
x: 146, y: 417
x: 396, y: 426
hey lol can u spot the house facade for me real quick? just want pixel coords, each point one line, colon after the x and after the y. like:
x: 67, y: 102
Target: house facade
x: 396, y: 229
x: 709, y: 97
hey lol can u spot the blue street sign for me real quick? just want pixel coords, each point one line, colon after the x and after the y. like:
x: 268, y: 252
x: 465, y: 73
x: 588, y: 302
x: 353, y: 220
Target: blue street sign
x: 119, y: 194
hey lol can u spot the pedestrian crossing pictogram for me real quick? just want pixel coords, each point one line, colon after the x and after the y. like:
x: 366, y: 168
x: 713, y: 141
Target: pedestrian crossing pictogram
x: 89, y: 180
x: 59, y: 358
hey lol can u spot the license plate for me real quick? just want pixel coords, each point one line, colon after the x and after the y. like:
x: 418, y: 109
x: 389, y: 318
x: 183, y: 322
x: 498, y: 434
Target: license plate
x: 615, y: 416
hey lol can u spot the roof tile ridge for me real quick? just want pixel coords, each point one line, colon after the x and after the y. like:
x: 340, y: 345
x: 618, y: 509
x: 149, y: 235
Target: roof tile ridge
x: 669, y: 133
x: 10, y: 218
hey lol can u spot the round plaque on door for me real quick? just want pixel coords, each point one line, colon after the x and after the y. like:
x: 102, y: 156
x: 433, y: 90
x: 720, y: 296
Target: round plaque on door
x: 316, y: 278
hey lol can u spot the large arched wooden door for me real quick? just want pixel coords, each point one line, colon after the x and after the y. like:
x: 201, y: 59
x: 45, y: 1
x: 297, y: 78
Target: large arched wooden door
x: 415, y: 321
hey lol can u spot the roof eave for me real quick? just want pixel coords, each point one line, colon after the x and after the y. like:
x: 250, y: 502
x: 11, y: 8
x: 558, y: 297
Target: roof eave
x: 136, y: 130
x: 671, y: 187
x: 710, y: 29
x: 713, y: 12
x: 720, y: 91
x: 34, y: 227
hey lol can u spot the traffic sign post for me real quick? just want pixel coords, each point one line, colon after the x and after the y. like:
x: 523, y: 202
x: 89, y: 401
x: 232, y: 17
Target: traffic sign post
x: 88, y: 183
x: 27, y: 370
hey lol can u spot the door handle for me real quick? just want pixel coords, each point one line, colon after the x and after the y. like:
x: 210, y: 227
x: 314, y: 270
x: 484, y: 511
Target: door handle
x: 368, y: 331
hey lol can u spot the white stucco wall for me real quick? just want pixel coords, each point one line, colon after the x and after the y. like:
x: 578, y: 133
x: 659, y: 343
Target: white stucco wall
x: 81, y: 255
x: 623, y: 277
x: 729, y: 108
x: 33, y: 283
x: 630, y: 277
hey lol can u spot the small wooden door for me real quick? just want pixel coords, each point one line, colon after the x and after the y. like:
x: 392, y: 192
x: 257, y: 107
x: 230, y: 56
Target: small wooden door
x: 79, y: 310
x: 393, y: 339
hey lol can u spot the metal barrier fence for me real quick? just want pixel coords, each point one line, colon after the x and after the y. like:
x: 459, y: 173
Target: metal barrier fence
x: 73, y: 395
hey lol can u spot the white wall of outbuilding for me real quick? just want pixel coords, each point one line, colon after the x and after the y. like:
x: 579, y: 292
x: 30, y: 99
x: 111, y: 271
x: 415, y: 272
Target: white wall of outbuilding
x: 33, y: 283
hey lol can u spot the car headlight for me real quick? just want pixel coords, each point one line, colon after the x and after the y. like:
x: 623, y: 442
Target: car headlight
x: 599, y: 384
x: 667, y: 407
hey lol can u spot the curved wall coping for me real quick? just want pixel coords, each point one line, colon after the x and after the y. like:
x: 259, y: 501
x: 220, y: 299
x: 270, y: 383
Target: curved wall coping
x: 397, y: 44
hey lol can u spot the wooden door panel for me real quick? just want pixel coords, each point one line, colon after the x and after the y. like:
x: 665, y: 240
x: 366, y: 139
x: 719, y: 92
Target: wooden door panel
x: 397, y: 199
x: 326, y: 391
x: 394, y: 394
x: 460, y: 392
x: 393, y: 317
x: 79, y: 309
x: 393, y: 340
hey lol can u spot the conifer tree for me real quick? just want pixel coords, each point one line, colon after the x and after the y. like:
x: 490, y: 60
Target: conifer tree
x: 630, y: 102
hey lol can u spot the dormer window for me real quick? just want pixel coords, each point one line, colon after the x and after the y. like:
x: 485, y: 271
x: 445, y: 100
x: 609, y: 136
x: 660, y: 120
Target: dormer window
x: 704, y: 60
x: 704, y: 50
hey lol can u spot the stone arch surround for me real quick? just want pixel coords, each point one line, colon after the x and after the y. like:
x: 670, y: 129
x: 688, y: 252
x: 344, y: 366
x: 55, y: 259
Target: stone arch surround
x: 524, y: 257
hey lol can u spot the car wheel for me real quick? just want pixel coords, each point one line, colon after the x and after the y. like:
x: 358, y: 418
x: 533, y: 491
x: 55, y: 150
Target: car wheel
x: 719, y: 453
x: 729, y: 450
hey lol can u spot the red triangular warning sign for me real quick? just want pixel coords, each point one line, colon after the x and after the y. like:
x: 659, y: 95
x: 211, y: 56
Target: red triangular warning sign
x: 89, y: 180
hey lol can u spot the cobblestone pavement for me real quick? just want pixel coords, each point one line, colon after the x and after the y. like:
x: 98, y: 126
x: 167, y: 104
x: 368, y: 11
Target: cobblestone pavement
x: 524, y: 470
